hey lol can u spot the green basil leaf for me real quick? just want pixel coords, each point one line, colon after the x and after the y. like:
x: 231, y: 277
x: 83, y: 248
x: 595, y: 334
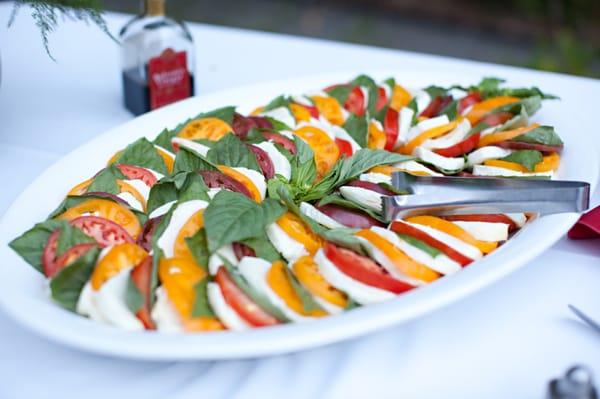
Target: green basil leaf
x: 490, y: 87
x: 304, y: 169
x: 530, y: 105
x: 541, y: 135
x: 230, y: 151
x: 160, y: 193
x: 133, y: 296
x: 198, y: 246
x: 234, y: 217
x: 278, y: 126
x: 263, y: 248
x: 69, y: 237
x: 66, y: 286
x: 277, y: 102
x: 202, y: 307
x: 30, y: 245
x: 372, y: 88
x: 423, y: 246
x: 527, y: 158
x: 187, y: 161
x: 308, y: 302
x: 450, y: 110
x: 436, y: 91
x: 164, y: 139
x: 193, y: 188
x: 352, y: 304
x: 336, y: 199
x: 143, y: 153
x: 106, y: 181
x: 340, y: 93
x: 358, y: 128
x: 345, y: 238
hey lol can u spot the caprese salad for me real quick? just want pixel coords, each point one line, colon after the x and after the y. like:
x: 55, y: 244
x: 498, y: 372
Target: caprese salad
x: 231, y: 221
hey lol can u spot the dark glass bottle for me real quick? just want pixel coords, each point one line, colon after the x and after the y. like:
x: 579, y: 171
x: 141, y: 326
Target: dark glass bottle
x: 157, y: 59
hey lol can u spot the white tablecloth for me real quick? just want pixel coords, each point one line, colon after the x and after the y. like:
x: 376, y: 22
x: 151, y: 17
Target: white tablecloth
x: 505, y: 341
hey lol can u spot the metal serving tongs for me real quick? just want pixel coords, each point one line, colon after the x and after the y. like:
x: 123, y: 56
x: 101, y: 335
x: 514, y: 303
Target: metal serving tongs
x: 483, y: 195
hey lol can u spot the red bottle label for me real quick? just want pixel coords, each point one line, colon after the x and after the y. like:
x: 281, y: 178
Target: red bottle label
x: 168, y: 78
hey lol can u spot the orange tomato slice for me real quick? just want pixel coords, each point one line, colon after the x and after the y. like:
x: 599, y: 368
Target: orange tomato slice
x: 106, y: 209
x: 179, y: 277
x: 453, y: 230
x: 80, y: 188
x: 242, y: 178
x: 428, y: 134
x: 377, y: 137
x: 167, y: 158
x: 257, y: 111
x: 549, y: 163
x: 120, y: 257
x: 403, y: 263
x: 498, y: 163
x: 307, y: 272
x: 191, y: 227
x: 299, y: 231
x: 384, y: 169
x: 325, y: 149
x: 481, y: 108
x: 400, y: 98
x: 330, y: 109
x: 504, y: 135
x: 205, y: 128
x: 301, y: 114
x: 125, y: 187
x: 280, y: 284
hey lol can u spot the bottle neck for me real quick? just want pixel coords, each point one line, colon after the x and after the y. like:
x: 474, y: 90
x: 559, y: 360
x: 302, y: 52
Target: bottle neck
x: 154, y: 8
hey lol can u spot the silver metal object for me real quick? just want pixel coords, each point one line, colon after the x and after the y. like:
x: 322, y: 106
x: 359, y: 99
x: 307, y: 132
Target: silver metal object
x: 577, y: 383
x: 585, y: 318
x: 481, y: 195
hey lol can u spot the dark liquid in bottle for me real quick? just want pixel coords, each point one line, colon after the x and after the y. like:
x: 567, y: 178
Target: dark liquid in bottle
x: 137, y: 91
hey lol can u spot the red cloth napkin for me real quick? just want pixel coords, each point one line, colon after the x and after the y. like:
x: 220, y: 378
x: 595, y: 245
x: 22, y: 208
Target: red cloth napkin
x: 588, y: 226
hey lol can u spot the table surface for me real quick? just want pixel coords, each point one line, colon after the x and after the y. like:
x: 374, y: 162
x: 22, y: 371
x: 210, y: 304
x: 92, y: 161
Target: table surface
x: 505, y: 341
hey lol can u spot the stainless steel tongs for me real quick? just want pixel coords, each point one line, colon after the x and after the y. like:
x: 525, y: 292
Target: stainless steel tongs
x: 481, y: 195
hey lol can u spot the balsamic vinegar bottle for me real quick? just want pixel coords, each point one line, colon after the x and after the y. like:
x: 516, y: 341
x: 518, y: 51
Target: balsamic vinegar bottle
x: 157, y: 59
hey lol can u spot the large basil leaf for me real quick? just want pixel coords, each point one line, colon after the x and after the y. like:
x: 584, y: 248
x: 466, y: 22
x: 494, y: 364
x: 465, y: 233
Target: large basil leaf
x: 106, y: 181
x: 234, y: 217
x: 66, y: 286
x: 30, y: 245
x: 541, y: 135
x: 263, y: 248
x: 193, y: 188
x: 277, y: 102
x: 188, y: 161
x: 198, y: 246
x: 202, y: 307
x: 340, y: 93
x: 69, y: 237
x: 143, y: 153
x: 336, y: 199
x: 358, y: 128
x: 161, y: 193
x: 530, y: 105
x: 164, y: 139
x: 230, y: 151
x: 304, y: 169
x: 527, y: 158
x: 133, y: 296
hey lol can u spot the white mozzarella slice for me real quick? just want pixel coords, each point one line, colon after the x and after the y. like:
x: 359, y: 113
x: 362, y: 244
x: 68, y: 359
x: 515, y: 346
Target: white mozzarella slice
x: 375, y: 178
x: 140, y: 186
x: 485, y: 231
x: 365, y: 93
x: 131, y: 201
x: 466, y: 249
x: 367, y: 198
x: 229, y: 317
x: 289, y: 248
x: 282, y: 114
x: 111, y: 303
x: 388, y: 89
x: 215, y: 261
x: 155, y: 173
x: 519, y: 218
x: 256, y: 178
x: 361, y: 293
x: 458, y: 134
x: 439, y: 161
x: 86, y: 304
x: 191, y: 145
x: 287, y: 133
x: 483, y: 154
x: 341, y: 133
x: 415, y: 167
x: 281, y: 165
x: 466, y: 110
x: 319, y: 217
x: 327, y: 306
x: 169, y: 153
x: 255, y: 271
x: 405, y: 117
x: 422, y: 98
x: 179, y: 217
x: 426, y: 125
x: 164, y: 314
x: 302, y: 100
x: 161, y: 210
x: 213, y: 191
x: 483, y: 170
x: 441, y: 263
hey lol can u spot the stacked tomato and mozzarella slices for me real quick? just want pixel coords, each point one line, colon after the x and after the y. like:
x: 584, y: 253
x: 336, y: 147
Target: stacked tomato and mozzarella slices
x: 231, y: 221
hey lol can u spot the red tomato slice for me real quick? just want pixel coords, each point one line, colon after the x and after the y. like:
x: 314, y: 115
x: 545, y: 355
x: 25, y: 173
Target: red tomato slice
x: 390, y: 127
x: 436, y: 105
x: 345, y: 147
x: 401, y: 227
x: 264, y: 161
x: 141, y: 275
x: 49, y: 254
x: 144, y: 240
x: 468, y: 100
x: 71, y: 255
x: 135, y: 172
x: 382, y: 99
x: 364, y: 269
x: 281, y: 140
x: 240, y: 302
x: 349, y: 217
x: 214, y: 179
x: 465, y: 146
x: 496, y: 119
x: 370, y: 186
x: 240, y: 250
x: 312, y: 110
x: 104, y: 231
x: 355, y: 103
x: 495, y: 218
x: 518, y: 145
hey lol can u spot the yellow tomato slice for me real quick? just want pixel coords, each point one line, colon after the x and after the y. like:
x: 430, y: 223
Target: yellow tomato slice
x: 125, y: 187
x: 114, y: 158
x: 191, y: 227
x: 242, y: 178
x: 384, y: 169
x: 426, y: 135
x: 481, y: 108
x: 167, y: 158
x: 106, y: 209
x: 81, y: 188
x: 299, y: 231
x: 400, y: 97
x: 205, y: 128
x: 325, y: 149
x: 504, y: 135
x: 257, y: 111
x: 377, y: 137
x: 280, y: 284
x: 403, y: 263
x: 179, y: 277
x: 549, y: 163
x: 330, y: 109
x: 498, y: 163
x: 119, y: 257
x: 307, y: 272
x: 453, y: 230
x: 301, y: 114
